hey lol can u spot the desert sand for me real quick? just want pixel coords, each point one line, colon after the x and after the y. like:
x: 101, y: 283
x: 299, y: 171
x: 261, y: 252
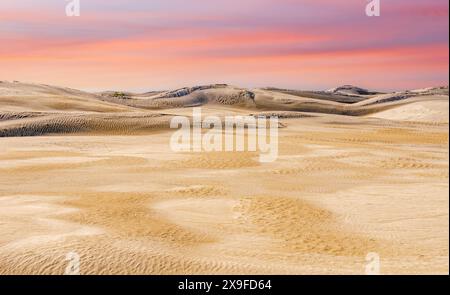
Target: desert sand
x: 93, y: 173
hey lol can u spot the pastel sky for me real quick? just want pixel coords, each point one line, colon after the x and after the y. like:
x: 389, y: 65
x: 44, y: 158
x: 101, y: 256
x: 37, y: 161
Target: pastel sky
x: 161, y: 44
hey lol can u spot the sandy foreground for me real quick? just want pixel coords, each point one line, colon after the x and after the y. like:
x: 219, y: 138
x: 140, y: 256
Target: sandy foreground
x: 342, y: 187
x: 129, y: 205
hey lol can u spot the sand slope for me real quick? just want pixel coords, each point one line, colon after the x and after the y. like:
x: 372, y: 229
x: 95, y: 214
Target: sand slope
x: 434, y: 111
x: 20, y: 97
x: 30, y: 109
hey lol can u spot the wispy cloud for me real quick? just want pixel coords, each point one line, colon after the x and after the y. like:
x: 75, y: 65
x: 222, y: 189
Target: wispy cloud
x: 170, y: 43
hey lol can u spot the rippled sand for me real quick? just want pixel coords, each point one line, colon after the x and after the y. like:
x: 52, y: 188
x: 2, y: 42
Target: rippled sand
x: 341, y: 188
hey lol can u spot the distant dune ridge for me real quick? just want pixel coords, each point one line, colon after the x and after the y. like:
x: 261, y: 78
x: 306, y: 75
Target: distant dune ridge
x: 350, y: 90
x: 37, y: 109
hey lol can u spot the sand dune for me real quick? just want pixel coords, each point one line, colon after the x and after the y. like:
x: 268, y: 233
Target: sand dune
x: 31, y: 109
x: 357, y: 172
x: 434, y: 111
x: 115, y: 123
x: 24, y: 97
x: 350, y: 90
x: 186, y: 97
x: 345, y: 100
x: 348, y: 100
x: 329, y: 95
x: 363, y: 105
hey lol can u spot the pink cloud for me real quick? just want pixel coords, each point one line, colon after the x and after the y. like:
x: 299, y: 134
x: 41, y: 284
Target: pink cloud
x: 289, y: 43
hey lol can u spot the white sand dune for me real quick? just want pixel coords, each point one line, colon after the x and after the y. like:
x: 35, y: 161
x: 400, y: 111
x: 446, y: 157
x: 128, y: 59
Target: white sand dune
x: 24, y: 97
x: 433, y: 111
